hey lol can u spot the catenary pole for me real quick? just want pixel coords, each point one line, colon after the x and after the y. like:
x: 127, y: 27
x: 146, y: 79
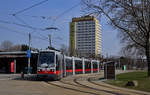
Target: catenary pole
x: 29, y: 50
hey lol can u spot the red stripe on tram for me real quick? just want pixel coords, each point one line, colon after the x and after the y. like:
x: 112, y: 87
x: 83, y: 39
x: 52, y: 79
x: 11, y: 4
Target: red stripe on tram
x: 50, y: 72
x: 87, y: 69
x: 78, y: 70
x: 58, y: 72
x: 45, y: 72
x: 69, y: 70
x: 95, y: 69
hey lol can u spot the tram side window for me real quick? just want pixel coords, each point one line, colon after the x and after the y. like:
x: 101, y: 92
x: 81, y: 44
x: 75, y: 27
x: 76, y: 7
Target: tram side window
x: 57, y: 62
x: 68, y: 64
x: 89, y: 65
x: 78, y: 64
x: 86, y: 65
x: 94, y: 65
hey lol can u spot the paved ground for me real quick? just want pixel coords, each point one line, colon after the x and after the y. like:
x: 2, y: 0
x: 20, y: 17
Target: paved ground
x: 87, y: 84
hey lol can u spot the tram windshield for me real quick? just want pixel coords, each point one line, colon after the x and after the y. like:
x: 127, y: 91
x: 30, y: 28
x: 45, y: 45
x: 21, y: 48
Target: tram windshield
x: 46, y: 59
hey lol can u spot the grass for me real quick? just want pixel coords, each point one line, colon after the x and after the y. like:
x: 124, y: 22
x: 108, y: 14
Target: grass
x: 140, y: 77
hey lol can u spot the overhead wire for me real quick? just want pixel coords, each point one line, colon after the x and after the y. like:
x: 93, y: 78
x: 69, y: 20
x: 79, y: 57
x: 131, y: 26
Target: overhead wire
x: 34, y: 30
x: 29, y: 26
x: 66, y: 11
x: 44, y: 17
x: 23, y: 33
x: 62, y: 14
x: 22, y: 25
x: 39, y: 3
x: 21, y: 11
x: 21, y: 20
x: 41, y: 17
x: 58, y: 16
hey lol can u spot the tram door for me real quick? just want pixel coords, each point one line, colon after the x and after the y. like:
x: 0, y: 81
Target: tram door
x: 87, y: 66
x: 69, y: 68
x: 78, y: 67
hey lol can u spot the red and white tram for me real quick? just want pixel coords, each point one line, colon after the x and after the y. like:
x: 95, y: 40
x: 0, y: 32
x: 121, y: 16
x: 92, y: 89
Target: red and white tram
x: 53, y: 64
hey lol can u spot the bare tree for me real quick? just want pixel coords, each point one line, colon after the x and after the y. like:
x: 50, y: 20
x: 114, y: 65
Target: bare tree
x: 6, y: 45
x: 130, y: 48
x: 15, y: 48
x: 64, y: 49
x: 132, y: 17
x: 132, y: 51
x: 24, y: 47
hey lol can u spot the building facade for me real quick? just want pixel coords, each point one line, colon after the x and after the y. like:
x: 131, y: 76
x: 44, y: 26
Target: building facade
x: 85, y: 37
x: 17, y: 62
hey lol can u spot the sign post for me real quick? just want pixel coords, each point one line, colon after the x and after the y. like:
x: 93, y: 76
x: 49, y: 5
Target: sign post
x: 28, y: 56
x: 15, y: 66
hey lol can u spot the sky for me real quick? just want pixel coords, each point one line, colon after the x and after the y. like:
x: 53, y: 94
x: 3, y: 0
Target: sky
x: 43, y: 16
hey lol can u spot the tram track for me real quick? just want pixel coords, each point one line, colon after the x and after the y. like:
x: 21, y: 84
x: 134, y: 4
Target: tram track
x: 72, y: 85
x: 72, y: 89
x: 88, y: 85
x: 76, y: 83
x: 97, y: 89
x: 69, y: 83
x: 115, y: 88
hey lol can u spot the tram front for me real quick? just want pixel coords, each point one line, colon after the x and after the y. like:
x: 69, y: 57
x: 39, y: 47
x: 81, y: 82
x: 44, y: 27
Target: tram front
x: 46, y: 66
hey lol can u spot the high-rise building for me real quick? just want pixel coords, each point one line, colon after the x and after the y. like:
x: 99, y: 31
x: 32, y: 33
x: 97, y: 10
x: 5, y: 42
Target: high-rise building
x: 85, y: 37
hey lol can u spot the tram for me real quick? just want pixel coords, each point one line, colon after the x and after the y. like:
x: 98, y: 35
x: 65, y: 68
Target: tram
x: 53, y: 64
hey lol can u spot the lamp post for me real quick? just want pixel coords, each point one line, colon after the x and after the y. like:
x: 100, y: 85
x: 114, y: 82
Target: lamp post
x: 29, y: 54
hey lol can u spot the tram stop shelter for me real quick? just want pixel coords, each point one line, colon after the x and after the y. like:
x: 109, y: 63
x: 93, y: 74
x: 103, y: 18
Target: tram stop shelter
x: 17, y: 62
x: 109, y: 70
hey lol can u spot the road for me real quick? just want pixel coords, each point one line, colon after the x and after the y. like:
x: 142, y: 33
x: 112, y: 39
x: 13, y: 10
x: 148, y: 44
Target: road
x: 87, y: 84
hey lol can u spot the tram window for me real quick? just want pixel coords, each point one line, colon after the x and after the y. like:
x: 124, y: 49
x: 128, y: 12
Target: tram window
x: 57, y: 62
x: 78, y: 64
x: 68, y: 64
x: 94, y: 65
x: 46, y: 57
x: 87, y: 65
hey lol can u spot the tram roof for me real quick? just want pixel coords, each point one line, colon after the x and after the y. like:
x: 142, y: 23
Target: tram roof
x: 48, y: 50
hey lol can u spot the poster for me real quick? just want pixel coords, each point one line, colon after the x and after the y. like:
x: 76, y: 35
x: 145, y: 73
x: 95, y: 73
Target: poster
x: 12, y: 67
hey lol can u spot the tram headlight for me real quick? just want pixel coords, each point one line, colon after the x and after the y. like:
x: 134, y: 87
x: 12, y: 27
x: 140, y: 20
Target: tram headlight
x: 52, y: 70
x: 39, y: 70
x: 48, y: 69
